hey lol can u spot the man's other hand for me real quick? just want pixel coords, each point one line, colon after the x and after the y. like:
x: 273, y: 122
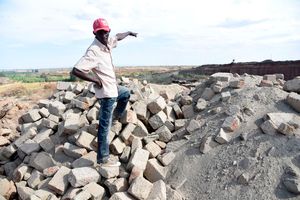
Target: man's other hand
x: 133, y: 34
x: 98, y: 84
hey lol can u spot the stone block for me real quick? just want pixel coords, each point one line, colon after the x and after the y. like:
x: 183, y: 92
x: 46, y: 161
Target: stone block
x: 44, y: 103
x: 83, y: 176
x: 270, y: 77
x: 126, y: 154
x: 292, y: 85
x: 68, y: 97
x: 157, y: 105
x: 286, y: 129
x: 231, y: 123
x: 140, y: 188
x: 237, y: 83
x: 135, y: 172
x: 85, y: 140
x: 268, y: 127
x: 71, y: 123
x: 20, y: 172
x: 188, y: 111
x: 161, y: 144
x: 28, y: 135
x: 83, y: 195
x: 118, y: 185
x: 127, y: 131
x: 63, y: 85
x: 222, y: 137
x: 44, y: 112
x: 221, y: 76
x: 150, y: 138
x: 57, y: 108
x: 178, y: 111
x: 121, y: 196
x: 136, y: 143
x: 293, y: 100
x: 97, y: 191
x: 140, y: 108
x: 186, y: 100
x: 117, y: 146
x: 140, y: 130
x: 47, y: 123
x: 42, y: 135
x: 193, y: 125
x: 47, y: 145
x: 166, y: 158
x: 170, y: 113
x: 24, y: 192
x: 35, y: 178
x: 31, y: 116
x: 76, y: 103
x: 139, y: 159
x: 169, y: 125
x: 73, y: 150
x: 78, y: 88
x: 157, y: 120
x: 158, y: 191
x: 153, y: 148
x: 92, y: 114
x: 155, y: 171
x: 41, y: 161
x: 8, y: 151
x: 179, y: 123
x: 129, y: 117
x: 164, y: 134
x: 7, y: 189
x: 266, y: 83
x: 109, y: 172
x: 71, y: 193
x: 116, y: 127
x: 86, y: 160
x: 30, y: 146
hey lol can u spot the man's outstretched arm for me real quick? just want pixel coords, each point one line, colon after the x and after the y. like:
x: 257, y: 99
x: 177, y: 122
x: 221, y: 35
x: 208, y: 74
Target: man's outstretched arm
x: 86, y: 77
x: 121, y: 36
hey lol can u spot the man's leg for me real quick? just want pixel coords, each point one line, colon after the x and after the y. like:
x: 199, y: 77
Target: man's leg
x: 105, y: 118
x: 122, y: 100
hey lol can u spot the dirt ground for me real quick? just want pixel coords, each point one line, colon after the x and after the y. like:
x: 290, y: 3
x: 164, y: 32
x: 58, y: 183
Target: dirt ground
x: 263, y: 157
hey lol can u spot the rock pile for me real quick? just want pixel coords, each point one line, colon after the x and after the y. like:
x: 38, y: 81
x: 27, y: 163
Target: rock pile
x: 55, y: 155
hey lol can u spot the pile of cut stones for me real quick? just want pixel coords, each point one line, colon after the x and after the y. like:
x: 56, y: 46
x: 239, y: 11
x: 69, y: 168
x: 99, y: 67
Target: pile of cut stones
x: 55, y: 155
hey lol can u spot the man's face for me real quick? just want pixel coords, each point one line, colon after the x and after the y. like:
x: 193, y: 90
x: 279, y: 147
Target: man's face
x: 102, y: 36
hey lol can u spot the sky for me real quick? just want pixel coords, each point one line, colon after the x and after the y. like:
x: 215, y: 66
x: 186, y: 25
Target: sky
x: 56, y: 33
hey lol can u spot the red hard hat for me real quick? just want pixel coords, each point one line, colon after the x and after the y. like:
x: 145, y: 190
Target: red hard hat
x: 100, y: 24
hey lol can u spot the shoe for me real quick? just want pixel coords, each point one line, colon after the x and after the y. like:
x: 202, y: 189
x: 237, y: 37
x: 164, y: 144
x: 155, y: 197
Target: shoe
x: 110, y: 163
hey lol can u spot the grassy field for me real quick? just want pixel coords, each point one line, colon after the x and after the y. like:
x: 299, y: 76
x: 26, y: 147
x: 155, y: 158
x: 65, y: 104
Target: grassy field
x: 32, y: 77
x: 30, y: 90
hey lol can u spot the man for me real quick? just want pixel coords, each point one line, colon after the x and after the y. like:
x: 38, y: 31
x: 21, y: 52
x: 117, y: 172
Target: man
x: 96, y: 66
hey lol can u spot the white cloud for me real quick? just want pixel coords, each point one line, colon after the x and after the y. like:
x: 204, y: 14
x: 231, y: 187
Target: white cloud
x: 71, y: 19
x: 187, y: 25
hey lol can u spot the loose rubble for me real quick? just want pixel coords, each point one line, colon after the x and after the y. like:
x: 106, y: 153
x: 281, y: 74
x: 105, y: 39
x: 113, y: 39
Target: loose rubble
x: 54, y: 156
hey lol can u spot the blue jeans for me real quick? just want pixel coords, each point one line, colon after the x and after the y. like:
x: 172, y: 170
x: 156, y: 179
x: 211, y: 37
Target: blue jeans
x: 105, y: 119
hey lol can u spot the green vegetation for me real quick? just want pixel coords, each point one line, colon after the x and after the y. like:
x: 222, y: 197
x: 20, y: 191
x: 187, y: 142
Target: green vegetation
x: 32, y: 77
